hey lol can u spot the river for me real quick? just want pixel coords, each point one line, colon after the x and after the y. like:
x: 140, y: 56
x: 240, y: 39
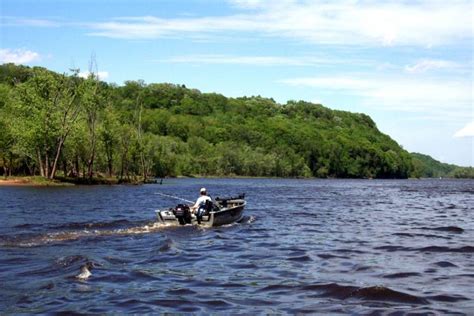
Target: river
x: 304, y: 246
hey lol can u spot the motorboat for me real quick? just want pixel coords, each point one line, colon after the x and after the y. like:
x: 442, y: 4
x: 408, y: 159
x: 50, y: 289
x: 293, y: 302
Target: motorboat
x: 221, y: 211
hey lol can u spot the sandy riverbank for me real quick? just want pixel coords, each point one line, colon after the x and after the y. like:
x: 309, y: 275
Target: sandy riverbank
x: 62, y: 181
x: 14, y: 182
x: 30, y: 181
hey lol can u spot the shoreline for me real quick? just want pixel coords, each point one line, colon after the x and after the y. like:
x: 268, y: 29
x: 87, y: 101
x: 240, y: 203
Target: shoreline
x: 38, y: 181
x: 13, y: 182
x: 29, y: 181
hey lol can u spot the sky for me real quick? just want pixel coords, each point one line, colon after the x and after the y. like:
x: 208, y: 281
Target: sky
x: 408, y: 63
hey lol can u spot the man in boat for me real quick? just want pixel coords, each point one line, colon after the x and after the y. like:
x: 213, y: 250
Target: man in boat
x: 200, y: 206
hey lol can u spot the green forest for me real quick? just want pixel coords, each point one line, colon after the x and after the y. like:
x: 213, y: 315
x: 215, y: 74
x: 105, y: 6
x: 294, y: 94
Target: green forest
x: 427, y: 167
x: 64, y: 126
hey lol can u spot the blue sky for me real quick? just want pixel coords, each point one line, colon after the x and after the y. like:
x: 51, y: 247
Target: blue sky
x: 407, y: 64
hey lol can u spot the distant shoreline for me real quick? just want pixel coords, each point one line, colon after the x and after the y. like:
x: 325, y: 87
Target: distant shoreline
x: 38, y: 181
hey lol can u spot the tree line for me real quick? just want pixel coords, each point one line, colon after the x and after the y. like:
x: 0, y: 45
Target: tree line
x: 427, y: 167
x: 62, y: 125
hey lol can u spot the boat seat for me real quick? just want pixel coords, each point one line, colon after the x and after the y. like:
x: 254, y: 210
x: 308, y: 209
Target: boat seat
x: 203, y: 218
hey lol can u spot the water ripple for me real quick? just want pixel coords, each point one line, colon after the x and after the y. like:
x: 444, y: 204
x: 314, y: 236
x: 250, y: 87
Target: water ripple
x: 363, y: 247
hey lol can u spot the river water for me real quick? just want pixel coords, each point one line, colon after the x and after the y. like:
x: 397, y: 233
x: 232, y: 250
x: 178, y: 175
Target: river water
x: 304, y: 246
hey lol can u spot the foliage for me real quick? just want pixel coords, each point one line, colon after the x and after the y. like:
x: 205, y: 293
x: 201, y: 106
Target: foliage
x: 139, y: 130
x: 463, y: 173
x: 426, y: 167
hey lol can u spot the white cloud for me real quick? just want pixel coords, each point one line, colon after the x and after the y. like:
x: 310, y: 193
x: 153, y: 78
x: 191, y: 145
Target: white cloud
x: 438, y: 97
x: 466, y: 131
x: 422, y: 23
x: 431, y: 64
x: 101, y: 74
x: 317, y: 101
x: 18, y: 56
x: 20, y: 21
x: 261, y: 4
x: 254, y: 60
x: 151, y: 27
x: 247, y: 4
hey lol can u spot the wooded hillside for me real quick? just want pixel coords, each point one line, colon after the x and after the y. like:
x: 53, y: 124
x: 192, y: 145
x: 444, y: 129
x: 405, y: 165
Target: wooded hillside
x: 427, y: 167
x: 60, y: 124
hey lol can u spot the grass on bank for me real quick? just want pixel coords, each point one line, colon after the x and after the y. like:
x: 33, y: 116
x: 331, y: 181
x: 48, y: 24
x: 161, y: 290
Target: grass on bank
x: 32, y: 181
x: 68, y: 181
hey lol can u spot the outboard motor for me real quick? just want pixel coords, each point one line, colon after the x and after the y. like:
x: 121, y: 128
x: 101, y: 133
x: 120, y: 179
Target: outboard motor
x: 183, y: 214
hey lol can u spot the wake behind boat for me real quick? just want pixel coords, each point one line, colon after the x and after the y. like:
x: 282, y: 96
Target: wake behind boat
x: 222, y: 211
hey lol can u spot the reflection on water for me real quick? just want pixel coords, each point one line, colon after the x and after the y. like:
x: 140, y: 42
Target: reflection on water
x: 305, y: 246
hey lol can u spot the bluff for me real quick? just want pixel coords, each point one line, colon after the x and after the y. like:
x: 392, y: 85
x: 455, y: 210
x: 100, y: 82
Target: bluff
x: 163, y: 129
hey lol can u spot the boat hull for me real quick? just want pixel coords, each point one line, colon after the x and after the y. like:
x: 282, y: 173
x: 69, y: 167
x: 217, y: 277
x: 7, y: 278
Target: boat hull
x: 227, y: 216
x: 232, y: 213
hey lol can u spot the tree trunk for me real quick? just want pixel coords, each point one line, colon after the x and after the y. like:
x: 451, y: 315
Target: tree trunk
x: 5, y: 168
x: 55, y: 163
x: 29, y: 167
x: 109, y: 162
x: 46, y: 162
x: 92, y: 126
x: 10, y: 167
x: 90, y: 163
x: 91, y: 111
x: 139, y: 133
x: 76, y: 166
x: 122, y: 163
x: 40, y: 162
x: 65, y: 167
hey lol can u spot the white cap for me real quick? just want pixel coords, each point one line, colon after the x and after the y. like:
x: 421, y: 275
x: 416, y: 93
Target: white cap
x: 203, y: 190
